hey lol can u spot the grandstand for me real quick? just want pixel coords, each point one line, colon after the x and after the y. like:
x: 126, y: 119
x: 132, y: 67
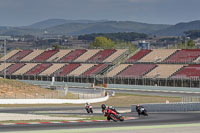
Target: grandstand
x: 184, y: 56
x: 157, y: 66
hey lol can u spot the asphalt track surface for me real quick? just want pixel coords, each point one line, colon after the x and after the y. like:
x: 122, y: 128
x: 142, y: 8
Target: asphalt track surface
x: 152, y: 119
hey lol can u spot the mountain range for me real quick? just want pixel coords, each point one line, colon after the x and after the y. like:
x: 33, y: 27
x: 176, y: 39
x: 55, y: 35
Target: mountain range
x: 79, y: 27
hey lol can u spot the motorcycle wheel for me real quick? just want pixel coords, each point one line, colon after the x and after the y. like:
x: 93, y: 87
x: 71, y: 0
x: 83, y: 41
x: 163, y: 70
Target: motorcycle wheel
x: 113, y: 117
x: 145, y: 113
x: 87, y: 111
x: 121, y: 118
x: 91, y: 111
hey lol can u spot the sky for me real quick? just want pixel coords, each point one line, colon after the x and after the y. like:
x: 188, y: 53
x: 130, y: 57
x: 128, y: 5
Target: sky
x: 26, y: 12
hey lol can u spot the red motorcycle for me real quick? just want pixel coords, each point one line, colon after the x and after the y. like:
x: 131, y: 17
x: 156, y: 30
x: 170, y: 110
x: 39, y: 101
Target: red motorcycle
x: 112, y: 115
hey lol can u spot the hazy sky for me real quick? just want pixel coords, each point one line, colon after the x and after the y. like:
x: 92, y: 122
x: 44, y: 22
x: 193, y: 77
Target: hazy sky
x: 25, y: 12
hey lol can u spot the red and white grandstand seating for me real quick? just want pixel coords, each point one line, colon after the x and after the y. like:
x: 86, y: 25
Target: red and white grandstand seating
x: 4, y: 66
x: 116, y: 70
x: 49, y: 71
x: 87, y: 55
x: 60, y: 54
x: 45, y: 55
x: 138, y: 55
x: 157, y: 55
x: 25, y: 68
x: 184, y: 56
x: 12, y: 68
x: 136, y: 70
x: 163, y: 71
x: 80, y: 70
x: 190, y: 71
x: 66, y: 69
x: 101, y: 55
x: 73, y: 55
x: 19, y: 55
x: 38, y: 69
x: 8, y: 55
x: 32, y: 55
x: 155, y: 63
x: 95, y: 69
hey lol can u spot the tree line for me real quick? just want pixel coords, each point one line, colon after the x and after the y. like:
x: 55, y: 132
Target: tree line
x: 123, y: 36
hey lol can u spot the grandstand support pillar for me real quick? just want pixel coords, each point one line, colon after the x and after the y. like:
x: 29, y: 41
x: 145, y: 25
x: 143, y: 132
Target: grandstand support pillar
x: 128, y: 80
x: 199, y: 83
x: 181, y: 82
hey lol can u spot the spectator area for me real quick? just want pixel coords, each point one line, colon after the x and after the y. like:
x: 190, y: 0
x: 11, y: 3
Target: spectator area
x: 52, y: 69
x: 60, y: 54
x: 138, y: 55
x: 45, y: 55
x: 117, y: 70
x: 66, y: 69
x: 101, y: 55
x: 25, y: 69
x: 163, y: 71
x: 73, y: 55
x: 95, y: 70
x: 157, y: 55
x: 14, y: 67
x: 19, y: 55
x: 115, y: 55
x: 32, y: 55
x: 87, y: 55
x: 9, y: 55
x: 189, y: 71
x: 3, y: 66
x: 184, y: 56
x: 38, y: 69
x: 136, y: 70
x: 80, y: 70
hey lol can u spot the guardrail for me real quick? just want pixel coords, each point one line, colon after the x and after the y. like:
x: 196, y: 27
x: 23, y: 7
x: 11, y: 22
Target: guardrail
x: 171, y: 107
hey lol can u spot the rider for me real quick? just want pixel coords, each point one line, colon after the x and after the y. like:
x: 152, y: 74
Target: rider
x: 104, y: 108
x: 138, y: 108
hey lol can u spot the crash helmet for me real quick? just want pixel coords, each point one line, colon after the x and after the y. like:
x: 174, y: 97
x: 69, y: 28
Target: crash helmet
x: 103, y: 106
x: 137, y: 105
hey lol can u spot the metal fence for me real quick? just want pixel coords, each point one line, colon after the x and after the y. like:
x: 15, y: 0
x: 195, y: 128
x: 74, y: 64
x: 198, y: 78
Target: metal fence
x: 98, y: 79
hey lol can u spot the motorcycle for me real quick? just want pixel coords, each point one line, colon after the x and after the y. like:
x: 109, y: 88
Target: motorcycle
x: 89, y: 109
x: 112, y: 115
x: 143, y: 112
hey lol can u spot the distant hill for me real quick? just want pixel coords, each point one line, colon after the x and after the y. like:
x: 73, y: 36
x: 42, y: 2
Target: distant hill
x: 179, y: 29
x: 105, y: 27
x: 80, y: 27
x: 55, y: 22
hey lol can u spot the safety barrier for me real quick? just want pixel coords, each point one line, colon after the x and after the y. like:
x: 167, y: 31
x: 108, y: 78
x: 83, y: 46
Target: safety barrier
x: 170, y: 107
x: 52, y: 101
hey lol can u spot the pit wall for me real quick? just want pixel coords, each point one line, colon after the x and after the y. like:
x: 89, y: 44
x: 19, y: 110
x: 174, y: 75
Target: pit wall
x: 171, y: 107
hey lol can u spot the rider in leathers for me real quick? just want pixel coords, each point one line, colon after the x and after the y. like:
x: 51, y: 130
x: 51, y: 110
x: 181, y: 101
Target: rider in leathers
x: 105, y: 109
x: 138, y: 107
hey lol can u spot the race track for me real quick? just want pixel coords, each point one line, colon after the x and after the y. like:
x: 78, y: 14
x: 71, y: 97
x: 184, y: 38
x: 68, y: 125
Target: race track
x: 152, y: 119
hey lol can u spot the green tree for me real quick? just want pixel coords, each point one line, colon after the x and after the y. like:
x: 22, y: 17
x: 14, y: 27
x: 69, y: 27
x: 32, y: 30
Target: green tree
x: 190, y: 44
x: 55, y: 46
x: 102, y: 42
